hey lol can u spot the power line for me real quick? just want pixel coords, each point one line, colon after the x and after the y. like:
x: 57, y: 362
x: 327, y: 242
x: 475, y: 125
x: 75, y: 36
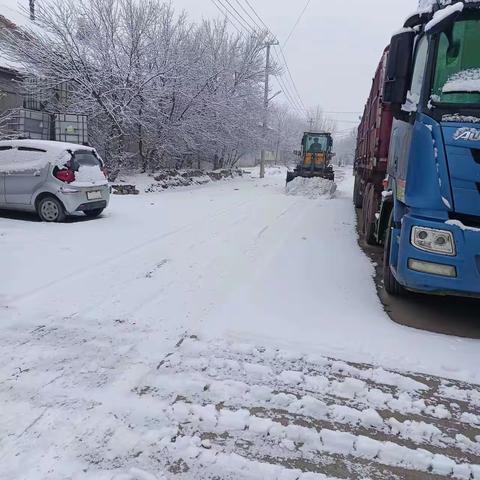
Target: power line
x: 296, y: 23
x: 301, y: 105
x: 239, y: 16
x: 231, y: 13
x: 300, y: 101
x: 258, y: 16
x: 226, y: 15
x: 296, y: 97
x: 249, y: 15
x: 291, y: 78
x: 289, y: 91
x: 290, y: 95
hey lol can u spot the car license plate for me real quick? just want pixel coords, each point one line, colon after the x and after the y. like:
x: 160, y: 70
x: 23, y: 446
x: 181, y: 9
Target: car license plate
x: 95, y: 195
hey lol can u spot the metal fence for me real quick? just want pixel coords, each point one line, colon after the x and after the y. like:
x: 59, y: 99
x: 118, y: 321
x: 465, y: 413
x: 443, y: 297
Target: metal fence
x: 26, y: 123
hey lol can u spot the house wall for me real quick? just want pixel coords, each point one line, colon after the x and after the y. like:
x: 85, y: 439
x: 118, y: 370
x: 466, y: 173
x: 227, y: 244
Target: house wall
x: 9, y: 96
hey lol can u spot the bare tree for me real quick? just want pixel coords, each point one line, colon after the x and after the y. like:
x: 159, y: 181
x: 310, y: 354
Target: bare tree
x: 320, y: 122
x: 288, y: 129
x: 158, y: 90
x: 345, y: 148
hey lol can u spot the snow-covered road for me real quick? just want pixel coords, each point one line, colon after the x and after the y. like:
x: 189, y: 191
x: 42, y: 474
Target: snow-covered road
x: 141, y: 344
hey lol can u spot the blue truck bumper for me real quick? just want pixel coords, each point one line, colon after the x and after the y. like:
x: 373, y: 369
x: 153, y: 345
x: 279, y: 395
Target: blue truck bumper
x: 466, y: 261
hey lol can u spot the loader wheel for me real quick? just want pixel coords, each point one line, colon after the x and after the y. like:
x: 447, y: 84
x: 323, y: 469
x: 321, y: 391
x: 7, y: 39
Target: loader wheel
x: 369, y: 209
x: 392, y: 286
x: 357, y: 193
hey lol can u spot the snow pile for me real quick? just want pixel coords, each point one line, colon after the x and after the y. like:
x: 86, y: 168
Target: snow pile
x: 187, y: 178
x: 465, y: 81
x: 89, y: 175
x: 312, y: 187
x: 23, y: 166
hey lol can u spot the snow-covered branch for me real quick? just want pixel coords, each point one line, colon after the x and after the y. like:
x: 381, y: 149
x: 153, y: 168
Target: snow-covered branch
x: 157, y: 89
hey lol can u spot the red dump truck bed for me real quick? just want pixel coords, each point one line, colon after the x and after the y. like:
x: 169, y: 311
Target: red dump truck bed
x: 371, y: 157
x: 373, y: 139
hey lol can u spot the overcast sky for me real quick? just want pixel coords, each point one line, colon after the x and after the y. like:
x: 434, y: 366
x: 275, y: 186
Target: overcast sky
x: 334, y: 50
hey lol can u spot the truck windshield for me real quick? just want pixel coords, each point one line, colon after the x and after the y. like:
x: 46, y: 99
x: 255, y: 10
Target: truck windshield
x: 457, y: 72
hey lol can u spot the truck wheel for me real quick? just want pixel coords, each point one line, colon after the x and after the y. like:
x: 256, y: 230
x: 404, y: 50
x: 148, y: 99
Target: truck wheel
x: 392, y: 286
x: 357, y: 193
x: 50, y: 209
x: 369, y: 209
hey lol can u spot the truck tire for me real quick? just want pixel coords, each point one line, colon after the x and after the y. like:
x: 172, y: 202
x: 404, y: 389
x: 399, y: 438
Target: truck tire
x: 392, y: 287
x: 369, y: 209
x: 357, y: 193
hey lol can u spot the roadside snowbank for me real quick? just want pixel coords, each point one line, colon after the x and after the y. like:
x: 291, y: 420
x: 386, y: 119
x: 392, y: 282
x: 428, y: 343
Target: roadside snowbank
x: 311, y: 187
x: 170, y: 179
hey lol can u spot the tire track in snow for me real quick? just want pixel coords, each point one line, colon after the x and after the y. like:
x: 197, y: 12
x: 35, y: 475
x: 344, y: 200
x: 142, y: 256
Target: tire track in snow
x: 117, y: 258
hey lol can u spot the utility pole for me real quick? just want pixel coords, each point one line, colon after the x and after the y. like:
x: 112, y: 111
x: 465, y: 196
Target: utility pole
x: 266, y: 101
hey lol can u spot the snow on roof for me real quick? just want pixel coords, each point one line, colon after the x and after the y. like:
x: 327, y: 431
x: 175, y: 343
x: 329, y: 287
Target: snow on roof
x: 48, y: 145
x: 15, y: 13
x: 465, y: 81
x: 57, y: 153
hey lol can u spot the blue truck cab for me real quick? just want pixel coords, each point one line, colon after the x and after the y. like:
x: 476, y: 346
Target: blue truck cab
x: 431, y: 210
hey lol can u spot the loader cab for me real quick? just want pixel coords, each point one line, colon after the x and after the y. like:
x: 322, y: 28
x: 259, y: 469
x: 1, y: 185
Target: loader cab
x: 316, y: 150
x: 315, y: 157
x: 317, y: 143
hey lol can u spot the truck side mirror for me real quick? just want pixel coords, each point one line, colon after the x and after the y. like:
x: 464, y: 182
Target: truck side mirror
x: 399, y: 65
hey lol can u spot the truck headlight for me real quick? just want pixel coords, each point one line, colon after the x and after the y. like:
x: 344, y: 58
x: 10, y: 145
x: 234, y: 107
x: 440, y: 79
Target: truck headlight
x: 435, y: 241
